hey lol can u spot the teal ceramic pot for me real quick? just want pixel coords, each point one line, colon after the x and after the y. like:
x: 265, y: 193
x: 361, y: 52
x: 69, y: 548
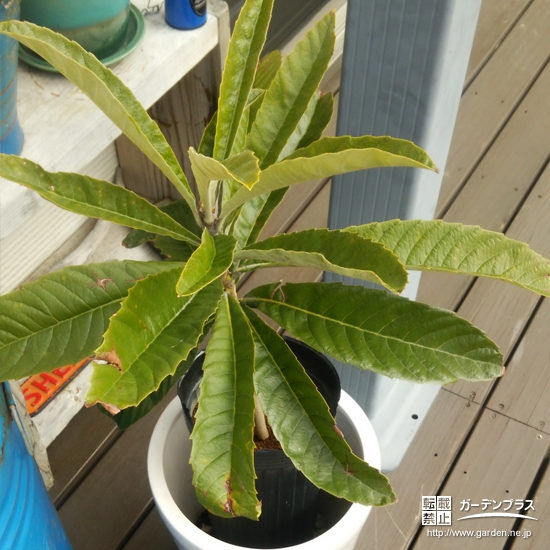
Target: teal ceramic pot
x: 11, y: 136
x: 99, y: 26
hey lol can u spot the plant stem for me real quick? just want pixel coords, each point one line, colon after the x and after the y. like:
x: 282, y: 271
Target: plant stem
x: 260, y: 426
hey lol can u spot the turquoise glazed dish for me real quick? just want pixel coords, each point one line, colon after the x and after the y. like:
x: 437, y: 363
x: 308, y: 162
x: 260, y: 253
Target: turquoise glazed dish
x: 135, y: 31
x: 99, y: 26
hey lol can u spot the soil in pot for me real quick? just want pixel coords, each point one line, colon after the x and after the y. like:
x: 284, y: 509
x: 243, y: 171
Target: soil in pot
x: 290, y: 502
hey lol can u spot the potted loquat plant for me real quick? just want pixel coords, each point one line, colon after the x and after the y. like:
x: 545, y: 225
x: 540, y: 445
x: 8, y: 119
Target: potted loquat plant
x: 144, y: 321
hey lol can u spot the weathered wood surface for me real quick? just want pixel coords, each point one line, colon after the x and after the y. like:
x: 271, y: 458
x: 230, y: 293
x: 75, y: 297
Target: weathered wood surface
x: 504, y: 310
x: 499, y: 462
x: 491, y: 98
x: 499, y: 434
x: 65, y: 131
x: 424, y: 468
x: 508, y: 171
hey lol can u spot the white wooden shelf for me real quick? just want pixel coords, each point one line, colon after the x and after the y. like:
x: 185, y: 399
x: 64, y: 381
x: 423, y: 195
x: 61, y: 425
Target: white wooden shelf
x: 65, y: 131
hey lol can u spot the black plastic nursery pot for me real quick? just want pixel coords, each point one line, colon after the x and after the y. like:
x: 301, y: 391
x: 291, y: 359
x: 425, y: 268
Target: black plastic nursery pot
x: 290, y: 502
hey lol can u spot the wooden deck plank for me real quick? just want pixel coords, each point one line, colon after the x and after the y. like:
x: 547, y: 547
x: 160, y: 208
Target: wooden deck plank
x: 503, y: 310
x: 508, y: 172
x: 421, y: 472
x: 74, y: 453
x: 499, y: 462
x: 496, y: 19
x: 541, y: 531
x: 152, y: 533
x: 524, y: 392
x: 485, y: 106
x: 104, y: 507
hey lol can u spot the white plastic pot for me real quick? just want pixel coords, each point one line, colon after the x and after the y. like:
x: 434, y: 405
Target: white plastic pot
x: 170, y: 477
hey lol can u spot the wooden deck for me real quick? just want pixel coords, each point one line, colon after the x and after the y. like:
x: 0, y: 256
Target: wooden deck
x: 479, y: 441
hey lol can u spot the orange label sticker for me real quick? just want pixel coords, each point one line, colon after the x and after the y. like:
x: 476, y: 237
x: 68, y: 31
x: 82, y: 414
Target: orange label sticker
x: 40, y: 388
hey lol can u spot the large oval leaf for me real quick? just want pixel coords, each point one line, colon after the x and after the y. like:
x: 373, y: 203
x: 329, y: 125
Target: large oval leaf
x: 150, y: 335
x: 302, y: 423
x: 331, y: 251
x: 331, y: 156
x: 376, y: 330
x: 108, y: 92
x: 223, y: 448
x: 209, y: 262
x: 93, y: 198
x: 60, y: 318
x: 290, y: 92
x: 452, y: 247
x: 244, y: 50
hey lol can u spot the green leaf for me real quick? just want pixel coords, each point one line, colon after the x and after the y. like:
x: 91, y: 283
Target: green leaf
x: 242, y: 168
x: 255, y: 99
x: 376, y: 330
x: 176, y: 251
x: 60, y: 318
x: 290, y: 92
x: 127, y: 417
x: 330, y: 156
x: 319, y: 121
x: 93, y: 198
x: 331, y: 251
x: 243, y: 54
x: 108, y: 92
x: 178, y: 210
x: 223, y: 448
x: 452, y: 247
x: 148, y: 338
x: 137, y: 237
x: 181, y: 212
x: 267, y: 69
x: 301, y: 128
x: 206, y: 146
x: 208, y: 263
x: 230, y: 187
x: 301, y: 421
x: 253, y: 216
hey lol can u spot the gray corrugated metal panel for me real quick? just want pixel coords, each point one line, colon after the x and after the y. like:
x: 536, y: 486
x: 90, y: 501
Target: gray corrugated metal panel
x: 403, y: 70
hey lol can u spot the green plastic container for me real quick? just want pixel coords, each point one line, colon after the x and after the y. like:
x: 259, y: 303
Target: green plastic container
x: 99, y: 26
